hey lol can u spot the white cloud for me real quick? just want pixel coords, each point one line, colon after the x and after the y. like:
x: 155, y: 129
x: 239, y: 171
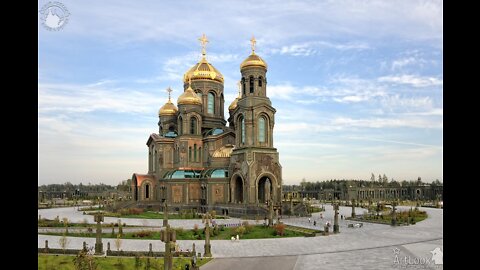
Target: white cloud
x: 233, y: 20
x: 392, y: 122
x: 310, y: 48
x: 71, y: 98
x: 413, y: 80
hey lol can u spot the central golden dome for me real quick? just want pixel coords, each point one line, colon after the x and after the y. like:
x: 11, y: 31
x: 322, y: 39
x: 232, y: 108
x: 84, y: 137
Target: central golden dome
x: 189, y: 97
x: 203, y: 70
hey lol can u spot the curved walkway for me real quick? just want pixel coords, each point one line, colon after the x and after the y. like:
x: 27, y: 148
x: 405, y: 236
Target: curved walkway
x: 368, y: 247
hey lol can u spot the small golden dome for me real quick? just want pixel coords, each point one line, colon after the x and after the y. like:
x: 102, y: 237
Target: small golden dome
x: 233, y: 105
x: 253, y: 60
x: 224, y: 151
x: 203, y: 70
x: 189, y: 97
x: 168, y: 109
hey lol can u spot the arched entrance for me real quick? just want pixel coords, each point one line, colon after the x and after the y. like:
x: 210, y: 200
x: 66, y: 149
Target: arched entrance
x: 265, y: 190
x: 237, y: 191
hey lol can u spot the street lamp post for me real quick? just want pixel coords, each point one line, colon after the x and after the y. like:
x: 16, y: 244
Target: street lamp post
x: 207, y: 218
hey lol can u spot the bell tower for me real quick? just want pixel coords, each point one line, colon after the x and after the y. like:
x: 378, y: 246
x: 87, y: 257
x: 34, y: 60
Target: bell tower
x: 255, y: 166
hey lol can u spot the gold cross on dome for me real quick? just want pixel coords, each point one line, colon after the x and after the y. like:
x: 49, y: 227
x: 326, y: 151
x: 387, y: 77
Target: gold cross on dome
x: 169, y: 90
x: 253, y: 41
x: 203, y: 42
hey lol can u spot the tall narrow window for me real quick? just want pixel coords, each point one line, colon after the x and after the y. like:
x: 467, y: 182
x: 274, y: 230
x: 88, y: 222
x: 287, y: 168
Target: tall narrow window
x: 261, y: 129
x: 147, y: 191
x: 150, y: 160
x: 211, y: 103
x: 242, y: 129
x: 193, y: 125
x: 195, y: 152
x: 259, y: 81
x: 251, y: 84
x: 243, y: 86
x: 189, y: 153
x: 180, y: 125
x: 200, y: 154
x: 155, y: 161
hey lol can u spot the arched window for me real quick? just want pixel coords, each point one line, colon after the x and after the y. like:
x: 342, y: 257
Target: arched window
x: 243, y: 86
x: 260, y: 81
x: 261, y: 129
x: 189, y: 153
x: 195, y: 152
x: 242, y: 130
x: 251, y: 84
x: 211, y: 103
x: 193, y: 125
x: 180, y: 126
x: 147, y: 191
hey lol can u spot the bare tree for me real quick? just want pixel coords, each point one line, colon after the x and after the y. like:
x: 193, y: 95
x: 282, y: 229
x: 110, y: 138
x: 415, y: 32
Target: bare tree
x: 64, y: 241
x: 65, y: 223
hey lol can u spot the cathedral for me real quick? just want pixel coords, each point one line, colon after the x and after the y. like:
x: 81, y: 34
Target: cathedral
x: 197, y: 161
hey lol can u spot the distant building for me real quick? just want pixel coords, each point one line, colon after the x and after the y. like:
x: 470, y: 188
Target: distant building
x: 414, y: 192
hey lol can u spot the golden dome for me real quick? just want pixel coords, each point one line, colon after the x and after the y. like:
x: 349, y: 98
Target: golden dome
x: 253, y: 60
x: 168, y: 109
x: 233, y: 105
x: 224, y: 151
x: 203, y: 70
x: 189, y: 97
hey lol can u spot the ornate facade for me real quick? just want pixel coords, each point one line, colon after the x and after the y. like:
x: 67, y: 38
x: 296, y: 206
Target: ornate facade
x: 197, y: 161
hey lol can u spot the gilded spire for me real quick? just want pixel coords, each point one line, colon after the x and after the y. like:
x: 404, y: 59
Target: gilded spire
x: 203, y: 41
x: 253, y: 41
x: 169, y: 90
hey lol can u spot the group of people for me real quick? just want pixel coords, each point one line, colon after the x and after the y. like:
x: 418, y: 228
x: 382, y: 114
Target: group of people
x: 328, y: 224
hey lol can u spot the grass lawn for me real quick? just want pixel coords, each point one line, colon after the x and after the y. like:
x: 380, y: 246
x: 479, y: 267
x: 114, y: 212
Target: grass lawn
x: 256, y: 232
x: 57, y: 224
x: 65, y: 262
x: 153, y: 215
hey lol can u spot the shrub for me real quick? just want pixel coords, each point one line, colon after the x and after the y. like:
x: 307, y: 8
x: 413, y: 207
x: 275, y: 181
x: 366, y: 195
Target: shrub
x: 279, y: 229
x: 240, y: 230
x: 195, y: 229
x: 248, y: 227
x: 142, y: 234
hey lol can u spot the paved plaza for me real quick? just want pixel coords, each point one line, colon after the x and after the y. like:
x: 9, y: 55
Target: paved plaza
x: 373, y: 246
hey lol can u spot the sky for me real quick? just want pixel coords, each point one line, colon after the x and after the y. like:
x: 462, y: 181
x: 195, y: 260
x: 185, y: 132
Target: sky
x: 357, y: 85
